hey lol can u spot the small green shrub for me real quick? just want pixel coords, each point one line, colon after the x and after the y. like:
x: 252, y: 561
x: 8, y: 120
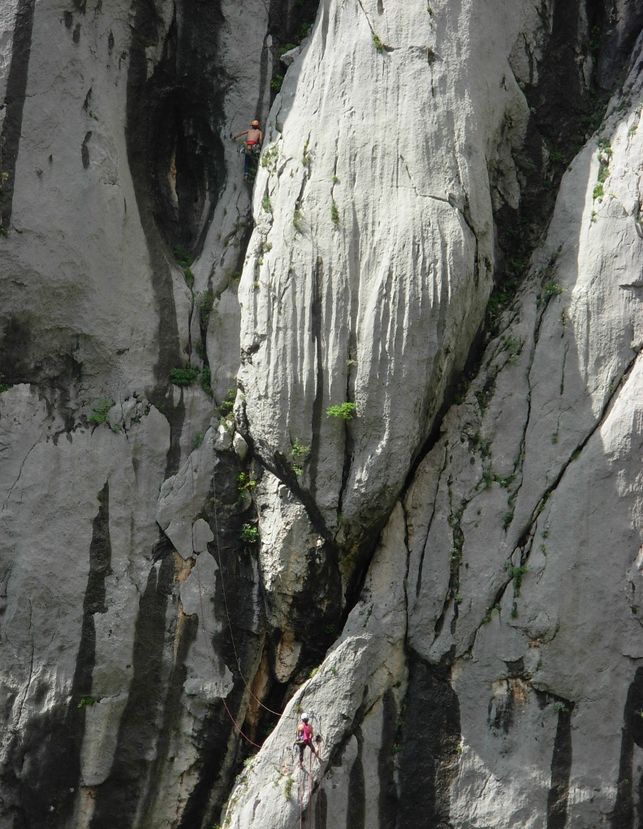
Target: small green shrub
x: 269, y: 158
x: 84, y: 702
x: 334, y: 213
x: 189, y: 277
x: 266, y: 203
x: 205, y: 380
x: 298, y: 450
x: 183, y: 258
x: 516, y: 573
x: 4, y: 387
x: 205, y: 303
x: 344, y: 411
x: 249, y: 534
x: 550, y: 289
x: 298, y: 220
x: 185, y: 376
x: 197, y: 440
x: 277, y: 82
x: 100, y: 411
x: 377, y: 43
x: 598, y: 192
x: 245, y: 483
x: 226, y: 405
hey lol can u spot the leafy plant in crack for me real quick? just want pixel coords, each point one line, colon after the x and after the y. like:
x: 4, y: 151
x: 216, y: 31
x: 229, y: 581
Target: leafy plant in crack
x: 100, y: 410
x: 205, y: 380
x: 249, y: 534
x: 549, y: 290
x: 189, y: 277
x: 343, y: 411
x: 226, y: 405
x: 205, y: 304
x: 184, y: 375
x: 334, y: 213
x: 516, y: 573
x: 245, y: 483
x: 377, y: 43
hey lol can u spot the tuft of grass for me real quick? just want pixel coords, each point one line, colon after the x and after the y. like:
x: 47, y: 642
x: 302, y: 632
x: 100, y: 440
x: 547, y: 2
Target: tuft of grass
x: 550, y: 289
x: 197, y: 440
x: 598, y: 192
x: 189, y: 277
x: 266, y: 204
x: 334, y: 213
x: 100, y: 411
x: 288, y: 786
x: 184, y: 376
x: 377, y: 43
x: 344, y: 411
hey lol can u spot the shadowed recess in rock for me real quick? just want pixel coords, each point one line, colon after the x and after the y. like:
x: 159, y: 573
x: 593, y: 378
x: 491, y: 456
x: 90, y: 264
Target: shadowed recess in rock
x: 387, y: 801
x: 14, y: 103
x: 356, y: 807
x: 561, y: 767
x: 624, y: 814
x: 46, y: 755
x: 430, y: 747
x: 117, y: 799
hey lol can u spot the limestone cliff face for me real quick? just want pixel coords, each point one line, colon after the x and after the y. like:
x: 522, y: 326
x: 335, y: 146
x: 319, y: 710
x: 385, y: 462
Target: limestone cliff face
x: 445, y: 232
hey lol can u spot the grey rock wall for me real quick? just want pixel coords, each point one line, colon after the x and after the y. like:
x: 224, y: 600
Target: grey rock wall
x: 445, y: 231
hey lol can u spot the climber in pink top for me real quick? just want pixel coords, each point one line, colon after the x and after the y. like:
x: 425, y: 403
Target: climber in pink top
x: 305, y: 738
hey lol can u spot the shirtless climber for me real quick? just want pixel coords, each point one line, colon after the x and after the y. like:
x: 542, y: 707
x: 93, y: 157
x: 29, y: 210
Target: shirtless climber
x: 305, y: 738
x: 252, y: 147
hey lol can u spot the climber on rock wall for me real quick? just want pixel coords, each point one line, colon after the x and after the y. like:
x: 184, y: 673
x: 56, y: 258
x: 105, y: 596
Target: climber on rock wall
x: 305, y: 738
x: 252, y: 147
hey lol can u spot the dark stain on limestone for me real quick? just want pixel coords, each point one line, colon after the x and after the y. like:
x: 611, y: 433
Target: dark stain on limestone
x: 117, y: 799
x: 76, y: 33
x: 356, y: 806
x: 430, y: 739
x: 220, y: 749
x: 140, y: 136
x: 624, y: 814
x: 321, y: 810
x: 387, y: 800
x: 174, y: 119
x: 186, y: 634
x: 84, y: 150
x: 42, y: 773
x: 561, y: 766
x: 14, y: 104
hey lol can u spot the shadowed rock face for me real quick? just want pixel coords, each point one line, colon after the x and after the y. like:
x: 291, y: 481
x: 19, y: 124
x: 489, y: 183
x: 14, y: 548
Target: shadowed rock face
x: 445, y: 231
